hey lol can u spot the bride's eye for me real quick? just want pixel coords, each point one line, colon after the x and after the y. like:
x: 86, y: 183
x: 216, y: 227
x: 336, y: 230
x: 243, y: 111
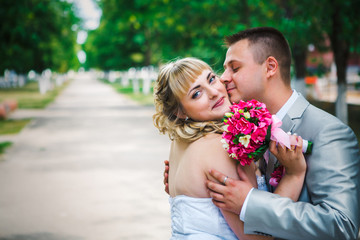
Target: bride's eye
x: 212, y: 79
x: 195, y: 95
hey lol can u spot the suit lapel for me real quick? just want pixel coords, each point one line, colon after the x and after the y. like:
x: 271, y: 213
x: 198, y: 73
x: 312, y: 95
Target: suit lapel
x: 288, y: 124
x: 298, y: 108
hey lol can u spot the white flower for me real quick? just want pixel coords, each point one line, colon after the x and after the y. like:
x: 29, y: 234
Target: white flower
x: 225, y: 144
x: 225, y: 127
x: 245, y: 140
x: 233, y: 155
x: 247, y: 115
x: 229, y: 114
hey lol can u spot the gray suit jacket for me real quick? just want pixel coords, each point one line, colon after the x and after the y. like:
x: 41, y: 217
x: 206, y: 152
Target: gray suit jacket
x: 328, y: 207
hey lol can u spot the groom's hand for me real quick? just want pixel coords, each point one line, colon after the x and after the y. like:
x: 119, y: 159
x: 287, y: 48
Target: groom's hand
x: 231, y: 195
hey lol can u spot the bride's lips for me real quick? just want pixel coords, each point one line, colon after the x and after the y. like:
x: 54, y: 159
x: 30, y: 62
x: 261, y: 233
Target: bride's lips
x: 219, y: 103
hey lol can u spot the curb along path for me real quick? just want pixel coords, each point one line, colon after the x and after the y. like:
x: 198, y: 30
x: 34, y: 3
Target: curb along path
x: 87, y: 167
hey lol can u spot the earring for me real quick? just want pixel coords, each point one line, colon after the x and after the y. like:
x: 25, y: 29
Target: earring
x: 187, y: 118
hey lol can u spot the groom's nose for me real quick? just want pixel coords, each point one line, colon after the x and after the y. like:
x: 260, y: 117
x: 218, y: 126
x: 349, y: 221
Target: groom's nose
x: 225, y: 77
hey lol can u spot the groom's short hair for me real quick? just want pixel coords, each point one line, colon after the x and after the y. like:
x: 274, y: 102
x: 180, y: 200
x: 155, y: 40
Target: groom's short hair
x: 265, y: 42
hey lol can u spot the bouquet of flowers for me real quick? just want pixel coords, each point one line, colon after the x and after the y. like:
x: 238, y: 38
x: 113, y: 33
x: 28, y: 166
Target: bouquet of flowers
x: 248, y: 129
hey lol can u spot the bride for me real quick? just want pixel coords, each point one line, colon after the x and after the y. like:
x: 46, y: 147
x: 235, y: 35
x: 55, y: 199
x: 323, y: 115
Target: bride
x: 190, y: 102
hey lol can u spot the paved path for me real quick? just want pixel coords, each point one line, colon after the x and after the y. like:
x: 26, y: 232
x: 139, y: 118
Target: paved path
x: 87, y: 167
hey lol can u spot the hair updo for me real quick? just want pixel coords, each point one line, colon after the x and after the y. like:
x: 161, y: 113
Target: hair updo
x: 172, y: 84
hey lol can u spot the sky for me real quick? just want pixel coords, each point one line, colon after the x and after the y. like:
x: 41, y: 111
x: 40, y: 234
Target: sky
x: 90, y: 12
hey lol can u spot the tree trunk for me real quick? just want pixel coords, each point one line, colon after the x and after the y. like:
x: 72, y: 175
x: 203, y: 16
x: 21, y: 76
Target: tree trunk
x: 148, y: 52
x: 299, y: 55
x: 341, y: 49
x: 341, y: 109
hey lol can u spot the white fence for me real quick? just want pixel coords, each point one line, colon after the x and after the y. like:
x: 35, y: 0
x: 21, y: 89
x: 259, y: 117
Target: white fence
x: 11, y: 80
x: 46, y: 80
x: 137, y: 77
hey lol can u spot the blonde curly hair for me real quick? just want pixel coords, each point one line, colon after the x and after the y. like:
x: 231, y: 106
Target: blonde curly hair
x: 172, y: 84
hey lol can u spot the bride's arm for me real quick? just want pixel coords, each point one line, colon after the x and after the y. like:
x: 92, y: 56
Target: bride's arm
x: 216, y: 158
x: 238, y: 227
x: 233, y: 219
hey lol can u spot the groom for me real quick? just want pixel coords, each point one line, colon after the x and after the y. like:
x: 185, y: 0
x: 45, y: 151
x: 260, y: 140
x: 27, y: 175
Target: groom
x: 257, y: 66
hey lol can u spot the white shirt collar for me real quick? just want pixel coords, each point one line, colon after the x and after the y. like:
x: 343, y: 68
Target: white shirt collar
x: 286, y: 107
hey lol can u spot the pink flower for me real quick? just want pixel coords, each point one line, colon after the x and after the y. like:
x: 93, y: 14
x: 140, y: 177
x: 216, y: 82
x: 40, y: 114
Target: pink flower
x: 246, y: 134
x: 277, y: 175
x: 273, y: 182
x: 246, y: 130
x: 259, y: 135
x: 243, y: 126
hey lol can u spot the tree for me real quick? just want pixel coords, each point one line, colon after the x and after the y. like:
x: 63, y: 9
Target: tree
x: 144, y: 32
x: 36, y: 35
x: 114, y: 45
x: 298, y: 22
x: 342, y: 24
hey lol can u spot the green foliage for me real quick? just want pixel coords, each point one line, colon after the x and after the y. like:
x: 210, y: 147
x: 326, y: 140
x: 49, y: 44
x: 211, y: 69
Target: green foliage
x: 37, y: 34
x: 143, y: 32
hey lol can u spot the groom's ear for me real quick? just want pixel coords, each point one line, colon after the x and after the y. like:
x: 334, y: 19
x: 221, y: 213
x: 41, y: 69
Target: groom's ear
x: 272, y: 66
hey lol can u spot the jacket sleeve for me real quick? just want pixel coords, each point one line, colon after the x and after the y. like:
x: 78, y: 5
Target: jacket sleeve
x: 328, y: 207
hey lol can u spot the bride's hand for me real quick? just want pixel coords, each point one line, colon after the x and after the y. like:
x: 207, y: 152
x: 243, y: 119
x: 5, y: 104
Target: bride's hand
x: 292, y: 159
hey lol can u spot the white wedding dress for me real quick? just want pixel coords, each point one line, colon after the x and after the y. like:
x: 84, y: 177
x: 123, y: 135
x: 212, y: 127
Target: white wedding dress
x: 199, y: 219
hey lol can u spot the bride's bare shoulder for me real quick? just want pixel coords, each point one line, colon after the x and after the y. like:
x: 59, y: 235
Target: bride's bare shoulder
x: 209, y: 152
x: 210, y: 142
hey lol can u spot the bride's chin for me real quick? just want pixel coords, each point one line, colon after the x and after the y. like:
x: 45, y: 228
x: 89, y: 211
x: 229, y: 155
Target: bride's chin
x: 225, y: 109
x: 221, y: 116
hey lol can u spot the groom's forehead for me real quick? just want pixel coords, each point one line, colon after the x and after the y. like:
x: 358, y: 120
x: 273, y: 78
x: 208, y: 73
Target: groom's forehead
x: 229, y: 62
x: 238, y: 56
x: 239, y: 47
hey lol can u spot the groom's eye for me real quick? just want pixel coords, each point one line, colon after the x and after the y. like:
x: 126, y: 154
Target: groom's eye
x: 235, y: 69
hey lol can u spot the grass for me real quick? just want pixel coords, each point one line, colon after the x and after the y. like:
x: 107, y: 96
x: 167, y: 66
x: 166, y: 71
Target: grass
x: 29, y: 96
x: 12, y: 126
x: 4, y: 145
x: 128, y: 91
